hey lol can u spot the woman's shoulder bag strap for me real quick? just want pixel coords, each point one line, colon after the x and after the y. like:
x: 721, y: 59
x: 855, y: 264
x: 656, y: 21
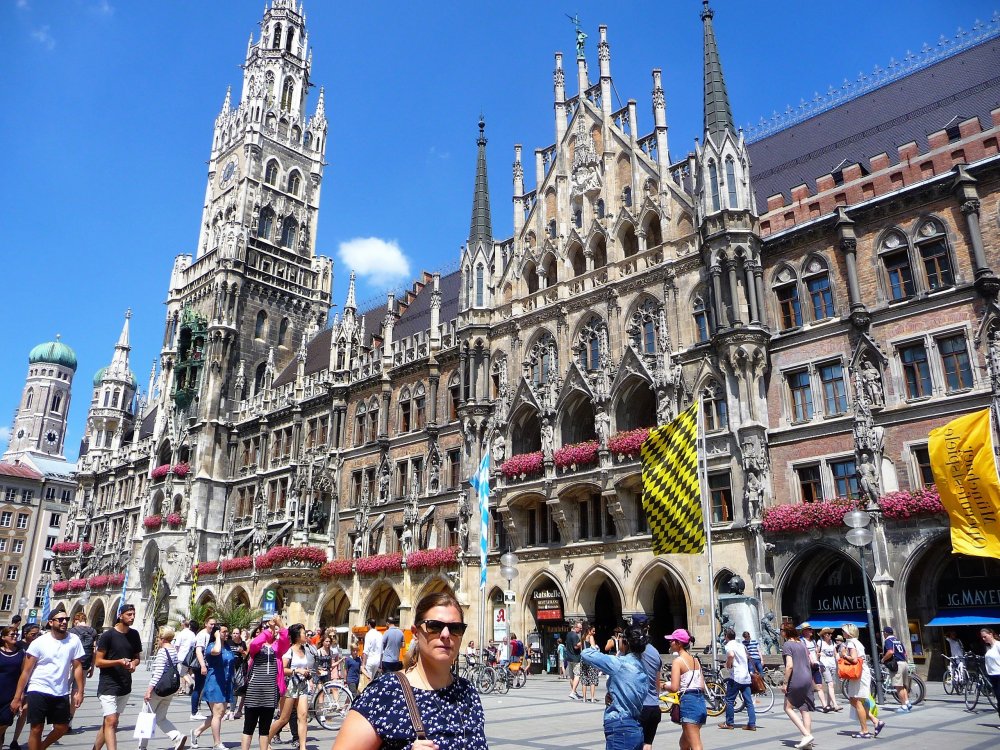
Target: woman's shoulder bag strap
x: 411, y: 705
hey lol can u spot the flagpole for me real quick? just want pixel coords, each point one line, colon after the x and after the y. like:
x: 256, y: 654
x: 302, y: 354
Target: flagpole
x: 706, y: 513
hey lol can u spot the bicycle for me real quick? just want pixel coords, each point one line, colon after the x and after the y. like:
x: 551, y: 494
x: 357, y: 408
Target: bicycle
x: 716, y: 699
x: 330, y: 703
x: 480, y: 674
x: 956, y: 674
x: 917, y: 690
x: 978, y: 684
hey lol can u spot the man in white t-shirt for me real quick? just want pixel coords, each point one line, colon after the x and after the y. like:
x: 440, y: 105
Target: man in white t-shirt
x: 738, y: 683
x: 955, y: 648
x: 44, y: 684
x: 184, y: 640
x: 371, y: 659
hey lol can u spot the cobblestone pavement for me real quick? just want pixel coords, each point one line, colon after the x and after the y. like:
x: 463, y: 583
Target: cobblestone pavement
x: 540, y: 716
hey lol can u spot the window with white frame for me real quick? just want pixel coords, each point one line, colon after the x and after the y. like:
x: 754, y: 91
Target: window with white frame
x: 916, y: 370
x: 923, y: 476
x: 5, y: 518
x: 894, y: 253
x: 831, y: 375
x: 923, y: 375
x: 6, y: 602
x: 810, y: 480
x: 55, y: 520
x: 3, y: 544
x: 817, y: 280
x: 715, y: 408
x: 845, y: 478
x: 955, y: 363
x: 12, y: 571
x: 22, y: 520
x: 50, y: 541
x: 47, y: 565
x: 10, y: 494
x: 18, y: 547
x: 800, y: 395
x: 935, y: 258
x: 721, y: 494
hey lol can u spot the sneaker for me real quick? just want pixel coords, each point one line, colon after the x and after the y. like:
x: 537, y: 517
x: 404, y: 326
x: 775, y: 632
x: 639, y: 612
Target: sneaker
x: 805, y: 742
x: 220, y: 746
x: 194, y: 738
x: 904, y: 709
x: 575, y: 697
x: 196, y: 717
x: 181, y: 742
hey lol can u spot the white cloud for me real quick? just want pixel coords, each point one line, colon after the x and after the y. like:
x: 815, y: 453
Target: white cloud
x: 104, y: 8
x: 4, y: 436
x: 380, y: 262
x: 22, y: 5
x: 435, y: 153
x: 44, y: 37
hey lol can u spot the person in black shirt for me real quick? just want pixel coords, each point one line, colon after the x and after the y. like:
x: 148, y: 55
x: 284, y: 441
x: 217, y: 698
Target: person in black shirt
x: 118, y: 652
x: 88, y: 637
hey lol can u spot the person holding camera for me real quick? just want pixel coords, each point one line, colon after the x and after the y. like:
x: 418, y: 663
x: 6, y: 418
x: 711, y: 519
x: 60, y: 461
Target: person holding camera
x: 118, y: 654
x: 265, y: 681
x: 627, y: 687
x: 218, y: 689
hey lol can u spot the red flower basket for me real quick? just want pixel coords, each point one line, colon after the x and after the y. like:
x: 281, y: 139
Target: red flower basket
x: 207, y: 568
x: 160, y: 472
x: 376, y: 564
x: 181, y: 470
x: 78, y: 584
x: 174, y: 520
x: 628, y: 443
x: 152, y: 523
x: 526, y: 464
x: 98, y: 582
x: 60, y: 587
x: 312, y: 556
x: 237, y: 564
x: 63, y: 548
x: 116, y: 579
x: 577, y: 454
x: 336, y: 569
x: 431, y: 558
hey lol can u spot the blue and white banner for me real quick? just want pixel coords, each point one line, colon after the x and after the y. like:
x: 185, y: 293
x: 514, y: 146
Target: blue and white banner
x: 481, y: 482
x: 121, y: 601
x: 46, y: 602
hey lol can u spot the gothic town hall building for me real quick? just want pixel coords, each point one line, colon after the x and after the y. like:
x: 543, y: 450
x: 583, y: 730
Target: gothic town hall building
x: 826, y: 284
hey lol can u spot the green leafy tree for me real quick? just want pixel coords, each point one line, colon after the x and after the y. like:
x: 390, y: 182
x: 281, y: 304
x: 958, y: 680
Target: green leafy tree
x: 198, y: 612
x: 238, y: 615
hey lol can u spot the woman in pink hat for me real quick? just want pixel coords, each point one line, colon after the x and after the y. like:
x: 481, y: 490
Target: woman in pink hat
x: 687, y: 681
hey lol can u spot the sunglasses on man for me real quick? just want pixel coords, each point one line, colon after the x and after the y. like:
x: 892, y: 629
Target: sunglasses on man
x: 435, y: 627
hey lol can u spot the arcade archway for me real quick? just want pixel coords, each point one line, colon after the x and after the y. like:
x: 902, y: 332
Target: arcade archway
x: 384, y: 602
x: 336, y: 610
x: 661, y: 597
x: 97, y: 616
x: 545, y: 603
x: 826, y: 587
x: 601, y: 599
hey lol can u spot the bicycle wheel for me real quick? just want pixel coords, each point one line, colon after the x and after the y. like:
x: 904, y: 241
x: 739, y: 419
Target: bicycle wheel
x: 486, y: 678
x: 843, y: 689
x: 948, y: 683
x: 715, y: 701
x: 764, y: 702
x: 504, y: 680
x: 986, y: 688
x: 917, y: 691
x: 520, y: 678
x: 971, y: 694
x: 331, y: 706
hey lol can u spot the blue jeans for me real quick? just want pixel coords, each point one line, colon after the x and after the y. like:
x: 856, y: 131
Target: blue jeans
x: 199, y: 685
x: 733, y: 689
x: 757, y: 665
x: 622, y: 734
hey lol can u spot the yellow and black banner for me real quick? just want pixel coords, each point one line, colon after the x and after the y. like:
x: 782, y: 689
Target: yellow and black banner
x: 671, y: 493
x: 194, y: 584
x: 966, y: 477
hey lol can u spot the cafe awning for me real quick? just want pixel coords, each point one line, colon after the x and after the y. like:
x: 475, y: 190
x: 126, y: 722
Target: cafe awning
x: 965, y: 616
x: 838, y: 619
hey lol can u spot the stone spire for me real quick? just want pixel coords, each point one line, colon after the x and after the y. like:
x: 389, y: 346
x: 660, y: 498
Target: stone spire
x: 227, y: 104
x: 321, y: 106
x: 350, y: 303
x: 481, y: 230
x: 119, y: 362
x: 718, y: 115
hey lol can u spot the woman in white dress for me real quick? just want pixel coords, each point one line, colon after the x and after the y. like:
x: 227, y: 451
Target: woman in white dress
x: 860, y: 689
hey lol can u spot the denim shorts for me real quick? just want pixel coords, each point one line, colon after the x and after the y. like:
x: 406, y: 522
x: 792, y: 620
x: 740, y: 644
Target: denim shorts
x: 693, y: 708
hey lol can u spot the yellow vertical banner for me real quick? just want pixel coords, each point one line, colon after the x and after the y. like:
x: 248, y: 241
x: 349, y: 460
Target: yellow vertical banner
x: 965, y: 472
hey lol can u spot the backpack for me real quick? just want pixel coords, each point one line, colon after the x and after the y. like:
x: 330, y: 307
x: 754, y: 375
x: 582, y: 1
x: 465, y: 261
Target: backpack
x: 191, y: 658
x: 170, y: 681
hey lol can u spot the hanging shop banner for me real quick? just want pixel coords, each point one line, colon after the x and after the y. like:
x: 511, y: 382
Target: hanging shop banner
x: 500, y: 624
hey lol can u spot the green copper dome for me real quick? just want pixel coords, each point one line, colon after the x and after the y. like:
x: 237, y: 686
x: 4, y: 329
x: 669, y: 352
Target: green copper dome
x: 55, y: 353
x: 99, y: 376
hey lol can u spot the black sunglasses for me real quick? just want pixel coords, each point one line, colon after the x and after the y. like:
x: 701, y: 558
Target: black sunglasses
x: 59, y: 619
x: 434, y: 627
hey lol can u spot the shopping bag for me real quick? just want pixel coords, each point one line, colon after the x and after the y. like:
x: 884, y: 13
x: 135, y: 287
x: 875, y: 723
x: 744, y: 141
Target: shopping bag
x: 145, y: 724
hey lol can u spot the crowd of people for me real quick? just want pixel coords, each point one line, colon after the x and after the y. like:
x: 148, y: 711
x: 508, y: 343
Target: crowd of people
x: 264, y: 675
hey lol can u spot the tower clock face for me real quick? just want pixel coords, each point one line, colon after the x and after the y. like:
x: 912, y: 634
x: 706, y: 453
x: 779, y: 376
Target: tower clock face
x: 20, y: 434
x: 51, y: 437
x: 228, y: 173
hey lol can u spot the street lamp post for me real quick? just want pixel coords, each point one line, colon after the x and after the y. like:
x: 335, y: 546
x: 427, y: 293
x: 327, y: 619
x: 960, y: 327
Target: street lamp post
x: 861, y: 536
x: 508, y: 571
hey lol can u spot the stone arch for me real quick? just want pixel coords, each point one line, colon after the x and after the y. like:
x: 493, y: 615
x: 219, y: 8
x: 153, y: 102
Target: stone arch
x: 600, y: 596
x: 157, y: 506
x: 207, y: 597
x: 627, y: 239
x: 525, y: 430
x: 576, y: 422
x: 599, y: 249
x: 577, y: 260
x: 178, y: 503
x: 98, y: 613
x: 382, y: 602
x: 439, y: 583
x: 634, y: 404
x: 112, y: 616
x: 150, y: 566
x: 336, y: 609
x: 547, y: 613
x: 238, y: 596
x: 819, y: 582
x: 651, y: 226
x: 662, y: 594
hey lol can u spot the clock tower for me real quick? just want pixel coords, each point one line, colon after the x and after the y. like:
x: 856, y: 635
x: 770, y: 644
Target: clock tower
x: 39, y: 425
x: 240, y: 306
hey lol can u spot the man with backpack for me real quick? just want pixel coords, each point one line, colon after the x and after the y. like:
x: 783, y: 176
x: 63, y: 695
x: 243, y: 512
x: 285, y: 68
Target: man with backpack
x: 894, y: 659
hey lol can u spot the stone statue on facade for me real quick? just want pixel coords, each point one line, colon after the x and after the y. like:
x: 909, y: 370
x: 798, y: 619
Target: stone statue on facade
x: 548, y: 440
x: 868, y: 480
x: 871, y: 381
x: 318, y: 515
x: 359, y: 547
x: 663, y: 410
x: 434, y: 473
x: 383, y: 483
x: 498, y: 450
x: 768, y: 634
x: 754, y: 495
x: 602, y: 426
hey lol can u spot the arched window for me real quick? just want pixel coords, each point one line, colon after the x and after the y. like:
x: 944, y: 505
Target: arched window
x: 589, y: 344
x: 276, y: 37
x: 552, y: 228
x: 260, y: 327
x: 454, y: 396
x: 271, y: 172
x: 531, y: 277
x: 258, y: 378
x: 373, y: 421
x: 360, y: 425
x: 289, y: 227
x: 642, y: 327
x: 786, y: 290
x: 294, y: 182
x: 716, y: 411
x: 731, y: 182
x: 932, y: 248
x: 29, y: 398
x: 287, y: 92
x: 265, y: 224
x: 115, y: 398
x: 405, y: 422
x: 282, y: 332
x: 895, y: 256
x: 480, y: 284
x: 577, y: 260
x: 701, y: 329
x: 419, y: 407
x: 713, y: 178
x: 600, y: 252
x: 56, y: 402
x: 540, y: 364
x: 817, y: 279
x: 627, y: 195
x: 599, y: 208
x: 107, y: 398
x: 289, y: 39
x: 629, y: 242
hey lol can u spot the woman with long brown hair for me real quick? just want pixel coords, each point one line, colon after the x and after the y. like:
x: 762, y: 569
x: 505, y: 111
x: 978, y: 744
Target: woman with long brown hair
x: 448, y: 706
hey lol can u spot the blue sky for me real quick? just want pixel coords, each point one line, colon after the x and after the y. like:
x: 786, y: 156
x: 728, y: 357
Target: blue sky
x: 109, y: 106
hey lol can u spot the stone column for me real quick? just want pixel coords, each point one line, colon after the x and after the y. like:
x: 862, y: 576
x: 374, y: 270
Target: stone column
x: 718, y: 307
x: 734, y: 293
x: 751, y: 288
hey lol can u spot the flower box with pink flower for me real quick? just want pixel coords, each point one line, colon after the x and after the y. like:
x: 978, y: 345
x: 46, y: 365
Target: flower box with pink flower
x: 422, y: 559
x: 523, y: 465
x: 71, y: 548
x: 181, y: 470
x: 336, y: 569
x: 78, y: 584
x: 378, y: 564
x: 576, y: 455
x: 160, y: 472
x: 152, y: 523
x: 174, y: 520
x: 626, y: 445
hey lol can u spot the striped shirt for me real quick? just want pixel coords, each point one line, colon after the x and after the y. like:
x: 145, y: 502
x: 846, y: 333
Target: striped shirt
x: 753, y: 648
x: 160, y: 661
x: 262, y: 687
